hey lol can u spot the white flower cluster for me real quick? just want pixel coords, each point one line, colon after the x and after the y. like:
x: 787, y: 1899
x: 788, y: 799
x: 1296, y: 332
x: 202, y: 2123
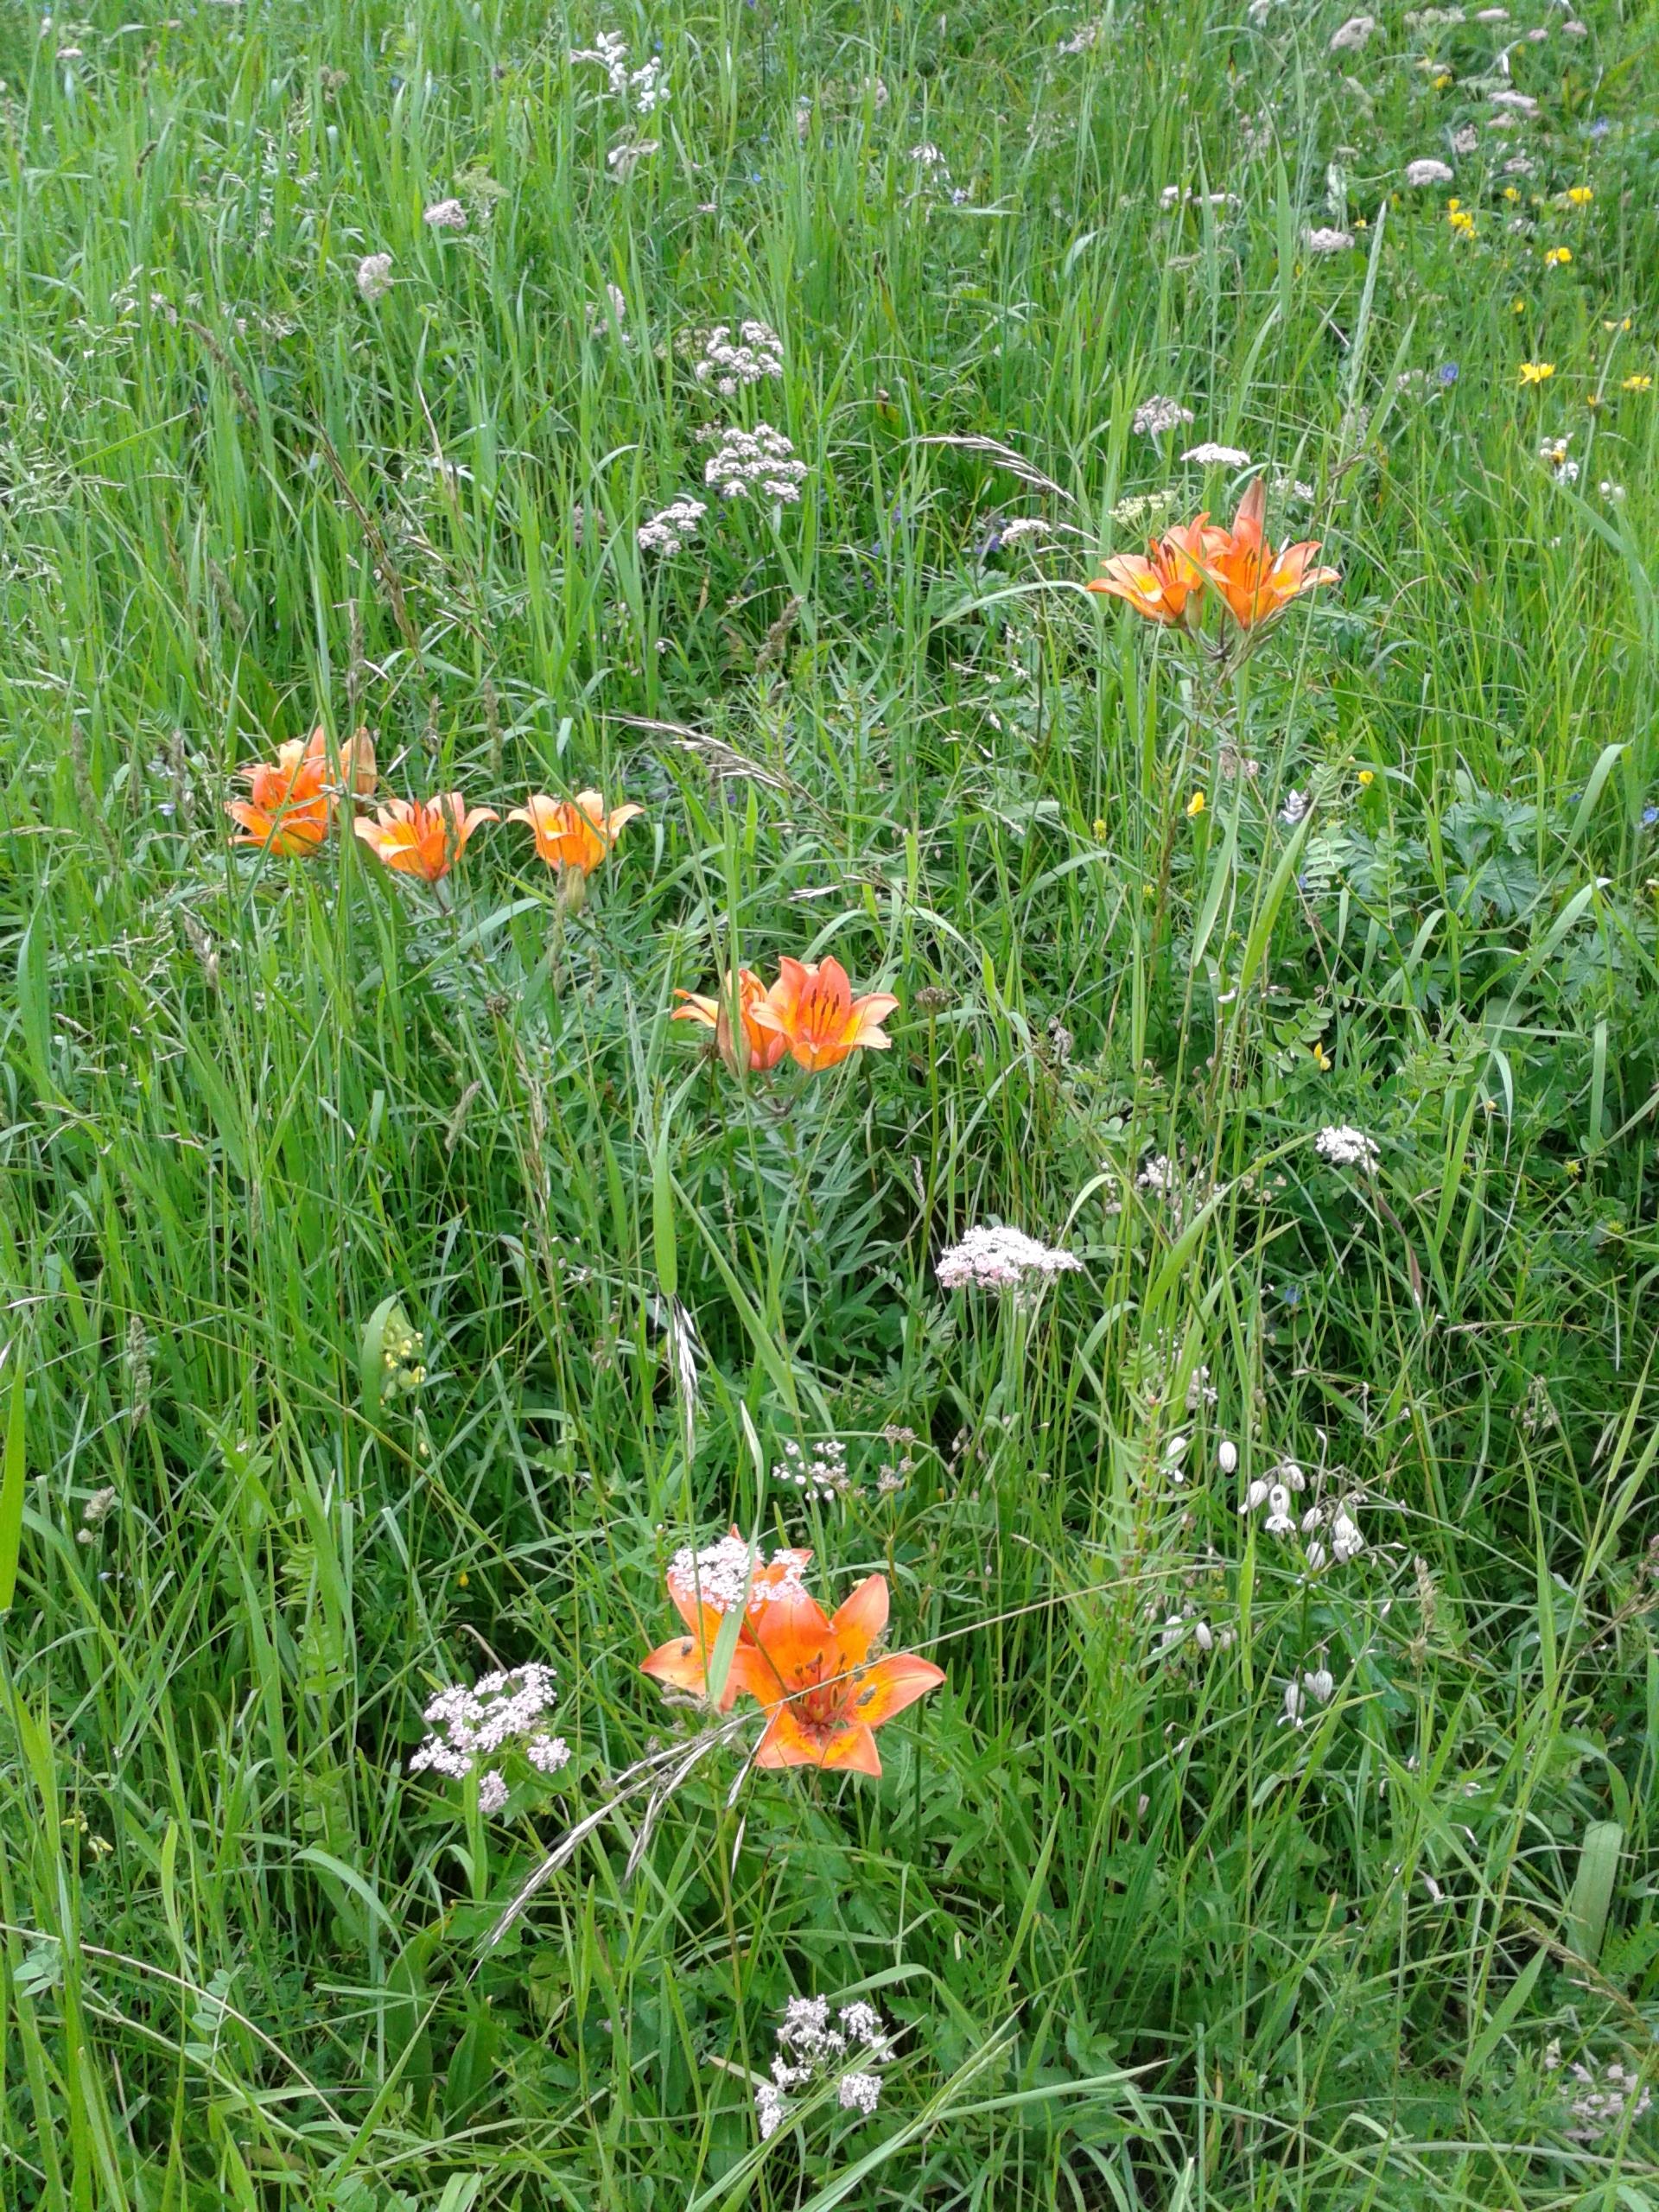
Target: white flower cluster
x: 445, y: 215
x: 1353, y: 34
x: 1155, y: 415
x: 1555, y: 457
x: 1345, y: 1146
x: 643, y: 89
x: 760, y: 461
x: 720, y: 1575
x: 1428, y: 172
x: 756, y: 353
x: 991, y: 1257
x: 1294, y: 808
x: 1317, y: 1686
x: 823, y: 1476
x: 810, y: 2050
x: 374, y: 276
x: 502, y: 1711
x: 1018, y: 529
x: 672, y: 529
x: 1208, y: 455
x: 1327, y: 241
x: 1336, y: 1522
x: 1606, y: 2100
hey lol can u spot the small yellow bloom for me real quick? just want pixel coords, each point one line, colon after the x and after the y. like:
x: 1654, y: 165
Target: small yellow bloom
x: 1592, y: 400
x: 1440, y: 82
x: 1462, y: 225
x: 1367, y: 777
x: 1511, y: 191
x: 1537, y: 371
x: 1452, y: 205
x: 1321, y: 1059
x: 1517, y: 307
x: 1636, y: 383
x: 1100, y: 827
x: 463, y: 1579
x: 1558, y: 257
x: 1195, y: 806
x: 1579, y: 194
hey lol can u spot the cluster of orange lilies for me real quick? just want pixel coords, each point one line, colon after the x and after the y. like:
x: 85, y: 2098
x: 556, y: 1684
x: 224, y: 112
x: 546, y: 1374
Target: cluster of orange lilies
x: 291, y: 802
x: 809, y: 1014
x: 813, y: 1675
x: 1255, y: 584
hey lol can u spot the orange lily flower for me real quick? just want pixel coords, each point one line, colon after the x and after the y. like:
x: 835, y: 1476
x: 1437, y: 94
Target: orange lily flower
x: 290, y: 804
x: 286, y: 810
x: 417, y: 837
x: 824, y: 1694
x: 704, y: 1586
x: 812, y: 1007
x: 1254, y: 582
x: 764, y: 1044
x: 573, y: 833
x: 1162, y: 584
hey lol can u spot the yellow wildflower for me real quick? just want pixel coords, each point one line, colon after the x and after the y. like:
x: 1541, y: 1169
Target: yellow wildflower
x: 1537, y: 371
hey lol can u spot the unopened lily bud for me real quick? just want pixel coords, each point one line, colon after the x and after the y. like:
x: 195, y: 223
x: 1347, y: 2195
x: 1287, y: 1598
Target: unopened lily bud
x: 1228, y: 1456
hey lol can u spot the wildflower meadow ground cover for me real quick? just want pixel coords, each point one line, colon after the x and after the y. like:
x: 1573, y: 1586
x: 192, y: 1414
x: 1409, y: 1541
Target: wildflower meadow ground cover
x: 828, y: 877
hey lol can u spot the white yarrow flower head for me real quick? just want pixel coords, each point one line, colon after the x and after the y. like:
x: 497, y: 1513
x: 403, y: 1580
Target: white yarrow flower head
x: 1353, y: 34
x: 445, y: 215
x: 1153, y: 417
x: 1214, y: 457
x: 1294, y: 808
x: 672, y: 529
x: 1345, y: 1146
x: 1328, y: 241
x: 503, y: 1712
x: 993, y: 1257
x: 374, y: 276
x: 810, y: 2053
x: 729, y: 363
x: 1429, y: 172
x: 726, y: 1574
x: 758, y: 463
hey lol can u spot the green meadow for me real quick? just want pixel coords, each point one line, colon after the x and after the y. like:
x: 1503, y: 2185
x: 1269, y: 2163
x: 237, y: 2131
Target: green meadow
x: 1211, y: 1284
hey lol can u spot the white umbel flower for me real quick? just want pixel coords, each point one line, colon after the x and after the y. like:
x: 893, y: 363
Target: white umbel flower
x: 1429, y: 172
x: 445, y: 215
x: 1345, y: 1146
x: 992, y: 1258
x: 374, y: 276
x: 1353, y: 34
x: 760, y: 463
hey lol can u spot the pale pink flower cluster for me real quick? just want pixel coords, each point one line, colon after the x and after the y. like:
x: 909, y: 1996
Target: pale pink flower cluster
x: 503, y: 1712
x: 1155, y: 415
x: 993, y: 1257
x: 1606, y: 2100
x: 809, y: 2050
x: 445, y: 215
